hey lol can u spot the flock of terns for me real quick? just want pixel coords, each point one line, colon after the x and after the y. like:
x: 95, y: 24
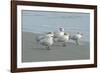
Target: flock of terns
x: 50, y: 38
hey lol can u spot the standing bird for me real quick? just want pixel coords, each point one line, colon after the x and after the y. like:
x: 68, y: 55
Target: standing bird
x: 46, y: 40
x: 76, y: 37
x: 59, y: 33
x: 64, y: 39
x: 61, y: 36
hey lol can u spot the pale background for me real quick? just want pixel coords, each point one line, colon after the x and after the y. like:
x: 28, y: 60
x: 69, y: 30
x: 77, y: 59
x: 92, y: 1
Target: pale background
x: 5, y: 37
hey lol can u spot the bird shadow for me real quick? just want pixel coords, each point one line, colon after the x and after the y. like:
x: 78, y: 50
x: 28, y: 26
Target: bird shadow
x: 39, y: 48
x: 56, y: 45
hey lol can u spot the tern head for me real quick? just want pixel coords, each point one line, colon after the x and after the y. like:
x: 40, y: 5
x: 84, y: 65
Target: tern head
x: 61, y: 29
x: 51, y: 34
x: 79, y: 33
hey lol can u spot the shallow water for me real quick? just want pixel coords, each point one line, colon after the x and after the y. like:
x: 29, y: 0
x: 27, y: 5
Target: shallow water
x: 44, y: 21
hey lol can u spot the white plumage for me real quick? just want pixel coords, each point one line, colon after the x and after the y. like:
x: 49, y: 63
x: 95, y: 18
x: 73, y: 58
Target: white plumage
x: 76, y: 37
x: 64, y: 39
x: 61, y: 36
x: 59, y: 33
x: 46, y: 40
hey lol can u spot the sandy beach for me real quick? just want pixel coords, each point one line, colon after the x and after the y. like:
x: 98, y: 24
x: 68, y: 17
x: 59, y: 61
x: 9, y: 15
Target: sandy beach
x: 33, y: 52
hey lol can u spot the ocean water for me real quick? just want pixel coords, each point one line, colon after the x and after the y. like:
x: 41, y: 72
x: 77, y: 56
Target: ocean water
x: 50, y: 21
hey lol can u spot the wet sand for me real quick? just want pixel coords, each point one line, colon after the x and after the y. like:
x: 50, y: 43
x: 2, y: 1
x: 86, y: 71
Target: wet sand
x: 34, y: 52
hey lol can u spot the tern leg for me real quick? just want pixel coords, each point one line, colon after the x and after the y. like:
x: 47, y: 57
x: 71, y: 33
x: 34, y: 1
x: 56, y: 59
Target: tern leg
x: 48, y: 48
x: 77, y: 42
x: 64, y: 44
